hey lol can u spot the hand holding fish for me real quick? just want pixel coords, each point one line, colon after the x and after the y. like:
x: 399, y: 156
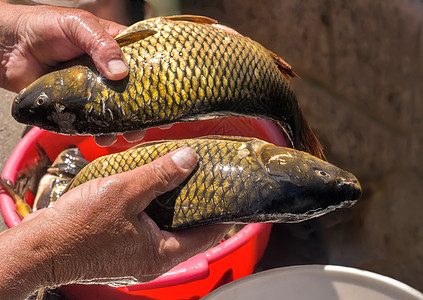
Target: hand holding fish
x: 98, y: 232
x: 34, y: 39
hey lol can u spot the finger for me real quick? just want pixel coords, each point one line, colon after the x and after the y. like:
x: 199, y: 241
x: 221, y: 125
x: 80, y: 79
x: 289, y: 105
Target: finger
x: 15, y: 81
x: 134, y: 136
x: 105, y: 140
x: 166, y: 126
x: 145, y: 183
x: 190, y: 242
x: 91, y: 36
x: 33, y: 215
x: 112, y: 28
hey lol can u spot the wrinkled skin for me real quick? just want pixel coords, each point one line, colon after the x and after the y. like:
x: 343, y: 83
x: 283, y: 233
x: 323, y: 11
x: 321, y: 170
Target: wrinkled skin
x: 34, y: 39
x: 98, y: 232
x: 39, y: 37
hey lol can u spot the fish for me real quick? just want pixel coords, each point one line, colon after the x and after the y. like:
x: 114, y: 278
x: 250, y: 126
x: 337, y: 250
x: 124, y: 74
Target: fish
x: 26, y: 181
x: 237, y: 180
x: 44, y: 179
x: 29, y: 176
x: 181, y: 68
x: 49, y: 190
x: 22, y: 207
x: 66, y: 165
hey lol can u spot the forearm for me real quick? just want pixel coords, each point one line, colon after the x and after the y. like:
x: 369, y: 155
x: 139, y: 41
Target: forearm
x: 25, y: 259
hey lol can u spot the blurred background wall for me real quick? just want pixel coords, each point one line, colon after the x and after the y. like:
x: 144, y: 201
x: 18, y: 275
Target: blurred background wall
x: 361, y: 69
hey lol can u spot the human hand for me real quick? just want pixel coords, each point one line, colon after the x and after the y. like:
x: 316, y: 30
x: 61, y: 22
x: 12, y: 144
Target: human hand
x: 34, y: 39
x: 99, y: 232
x: 108, y: 140
x: 135, y: 136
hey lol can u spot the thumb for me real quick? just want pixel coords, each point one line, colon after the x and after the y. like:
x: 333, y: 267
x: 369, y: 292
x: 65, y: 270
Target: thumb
x: 33, y: 215
x: 91, y: 34
x: 160, y: 176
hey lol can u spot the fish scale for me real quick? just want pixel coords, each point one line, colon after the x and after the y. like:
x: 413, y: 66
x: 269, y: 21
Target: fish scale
x: 152, y: 67
x: 236, y: 180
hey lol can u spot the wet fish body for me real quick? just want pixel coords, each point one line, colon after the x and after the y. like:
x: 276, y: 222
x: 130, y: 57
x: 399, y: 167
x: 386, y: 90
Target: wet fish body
x: 49, y: 190
x: 47, y: 181
x: 238, y: 180
x: 66, y: 165
x: 182, y: 68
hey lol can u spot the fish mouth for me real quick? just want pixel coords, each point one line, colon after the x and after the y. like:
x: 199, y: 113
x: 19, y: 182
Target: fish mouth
x: 351, y: 188
x: 65, y: 122
x: 16, y: 101
x: 355, y: 194
x: 304, y: 203
x: 299, y: 217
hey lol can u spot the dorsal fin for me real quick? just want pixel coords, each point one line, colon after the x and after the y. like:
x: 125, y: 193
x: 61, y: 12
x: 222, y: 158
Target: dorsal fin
x: 192, y: 18
x: 134, y: 36
x: 283, y: 66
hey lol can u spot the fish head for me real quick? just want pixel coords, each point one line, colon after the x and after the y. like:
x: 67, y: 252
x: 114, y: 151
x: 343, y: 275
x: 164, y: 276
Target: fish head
x: 53, y: 101
x: 310, y: 186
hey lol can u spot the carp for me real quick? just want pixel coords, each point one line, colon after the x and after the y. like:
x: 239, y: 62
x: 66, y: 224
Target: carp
x: 237, y: 180
x: 182, y: 68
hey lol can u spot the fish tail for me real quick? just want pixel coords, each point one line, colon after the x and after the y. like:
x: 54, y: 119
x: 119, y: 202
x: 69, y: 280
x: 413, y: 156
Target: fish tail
x: 300, y: 136
x: 21, y: 206
x: 283, y: 66
x: 303, y: 138
x: 306, y: 139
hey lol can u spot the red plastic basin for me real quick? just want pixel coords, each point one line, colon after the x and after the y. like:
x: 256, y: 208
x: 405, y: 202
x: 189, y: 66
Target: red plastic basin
x: 192, y: 279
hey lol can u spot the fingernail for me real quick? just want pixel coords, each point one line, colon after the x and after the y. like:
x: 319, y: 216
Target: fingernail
x: 105, y: 140
x: 117, y: 67
x: 166, y: 126
x: 134, y: 136
x: 185, y: 158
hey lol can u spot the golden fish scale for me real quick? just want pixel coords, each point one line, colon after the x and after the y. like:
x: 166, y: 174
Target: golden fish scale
x: 227, y: 175
x: 188, y: 68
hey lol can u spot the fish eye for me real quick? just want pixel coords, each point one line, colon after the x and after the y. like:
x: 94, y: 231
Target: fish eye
x: 322, y: 173
x: 42, y: 98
